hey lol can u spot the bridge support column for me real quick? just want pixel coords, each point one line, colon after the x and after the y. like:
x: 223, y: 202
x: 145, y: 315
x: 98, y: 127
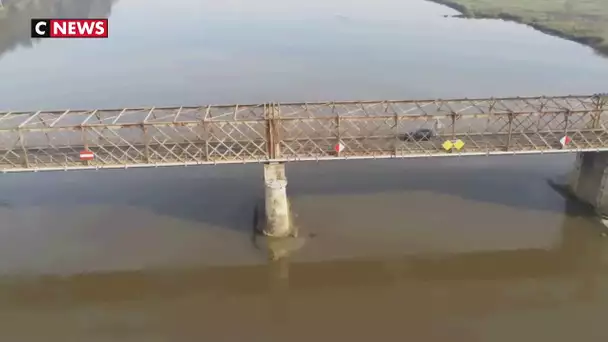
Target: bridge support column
x: 278, y: 216
x: 589, y: 180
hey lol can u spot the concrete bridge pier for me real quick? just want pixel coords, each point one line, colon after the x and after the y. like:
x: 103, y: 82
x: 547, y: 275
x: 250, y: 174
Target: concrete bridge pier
x: 278, y: 216
x: 589, y: 180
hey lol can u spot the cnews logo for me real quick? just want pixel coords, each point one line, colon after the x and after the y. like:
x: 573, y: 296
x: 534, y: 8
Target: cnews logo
x: 69, y: 28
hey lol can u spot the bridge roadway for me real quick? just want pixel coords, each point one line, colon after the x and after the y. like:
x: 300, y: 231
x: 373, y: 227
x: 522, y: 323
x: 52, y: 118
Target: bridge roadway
x: 116, y: 155
x: 149, y: 137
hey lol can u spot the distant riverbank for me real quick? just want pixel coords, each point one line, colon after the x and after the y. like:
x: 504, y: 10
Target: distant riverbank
x: 585, y: 23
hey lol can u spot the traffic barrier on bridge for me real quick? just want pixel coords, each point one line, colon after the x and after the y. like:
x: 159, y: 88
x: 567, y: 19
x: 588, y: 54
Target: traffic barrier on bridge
x: 449, y: 145
x: 86, y: 155
x: 339, y: 147
x: 565, y: 141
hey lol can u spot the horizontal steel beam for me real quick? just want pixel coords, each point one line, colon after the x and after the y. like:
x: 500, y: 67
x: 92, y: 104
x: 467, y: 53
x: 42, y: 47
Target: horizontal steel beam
x: 297, y: 159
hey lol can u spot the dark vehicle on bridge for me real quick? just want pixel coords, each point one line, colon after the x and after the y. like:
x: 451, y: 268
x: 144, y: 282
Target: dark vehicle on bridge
x: 423, y: 134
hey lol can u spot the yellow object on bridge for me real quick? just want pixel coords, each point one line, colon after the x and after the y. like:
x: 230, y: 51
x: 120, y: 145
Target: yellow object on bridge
x: 453, y: 144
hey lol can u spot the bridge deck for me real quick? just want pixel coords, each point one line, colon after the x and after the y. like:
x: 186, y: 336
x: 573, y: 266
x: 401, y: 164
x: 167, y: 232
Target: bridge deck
x: 53, y: 140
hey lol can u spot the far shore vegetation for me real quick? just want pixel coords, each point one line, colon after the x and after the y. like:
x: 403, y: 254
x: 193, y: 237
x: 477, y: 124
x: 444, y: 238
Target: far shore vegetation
x: 583, y: 21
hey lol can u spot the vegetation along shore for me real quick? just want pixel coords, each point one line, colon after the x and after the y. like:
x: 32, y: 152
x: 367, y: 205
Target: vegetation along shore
x: 582, y: 21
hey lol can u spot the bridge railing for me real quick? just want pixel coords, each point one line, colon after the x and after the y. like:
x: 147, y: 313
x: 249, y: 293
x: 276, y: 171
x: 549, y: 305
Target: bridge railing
x: 299, y: 131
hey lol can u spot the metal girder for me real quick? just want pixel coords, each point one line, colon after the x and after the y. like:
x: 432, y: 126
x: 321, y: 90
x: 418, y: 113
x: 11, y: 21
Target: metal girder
x: 140, y: 137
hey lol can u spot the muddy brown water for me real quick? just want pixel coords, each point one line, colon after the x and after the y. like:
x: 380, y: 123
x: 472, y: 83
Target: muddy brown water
x: 462, y: 249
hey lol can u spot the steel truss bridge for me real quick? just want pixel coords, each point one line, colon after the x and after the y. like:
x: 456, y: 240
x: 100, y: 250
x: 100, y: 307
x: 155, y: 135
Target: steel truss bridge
x: 284, y: 132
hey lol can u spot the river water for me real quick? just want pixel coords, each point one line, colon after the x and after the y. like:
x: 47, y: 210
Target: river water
x: 471, y: 249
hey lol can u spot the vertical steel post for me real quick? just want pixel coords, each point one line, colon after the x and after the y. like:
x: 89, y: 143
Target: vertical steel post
x: 22, y: 142
x: 338, y: 135
x: 599, y: 107
x: 510, y: 131
x: 566, y: 122
x: 540, y: 115
x: 272, y: 133
x: 276, y: 137
x: 269, y: 139
x: 489, y: 121
x: 453, y: 131
x: 396, y: 129
x: 453, y: 126
x: 85, y: 143
x: 207, y: 135
x: 144, y: 129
